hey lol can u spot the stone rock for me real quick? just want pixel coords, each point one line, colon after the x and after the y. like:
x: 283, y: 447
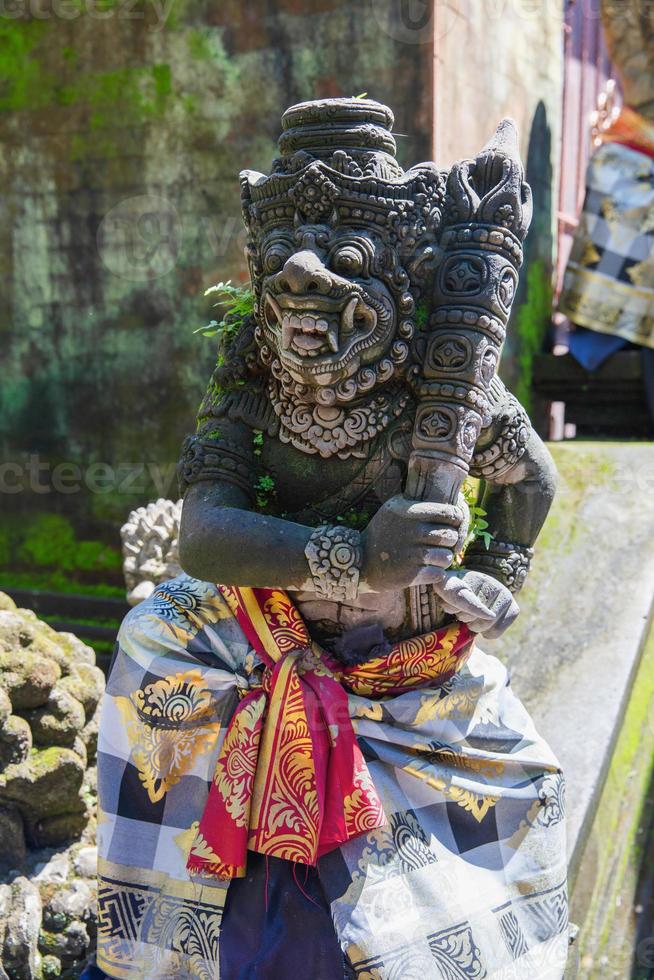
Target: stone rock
x: 15, y: 741
x: 86, y: 862
x: 71, y: 944
x: 54, y: 921
x: 70, y: 902
x: 150, y: 547
x: 54, y: 871
x: 6, y: 602
x: 19, y: 953
x: 79, y: 748
x: 56, y: 830
x: 46, y: 784
x: 13, y: 851
x: 89, y: 736
x: 59, y: 721
x: 21, y: 629
x: 28, y: 678
x: 5, y: 707
x: 86, y: 684
x: 50, y: 967
x: 140, y: 593
x: 5, y: 905
x: 74, y: 650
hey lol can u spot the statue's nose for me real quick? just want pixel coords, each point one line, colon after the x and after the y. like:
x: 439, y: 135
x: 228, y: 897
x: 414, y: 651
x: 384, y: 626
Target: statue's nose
x: 304, y: 272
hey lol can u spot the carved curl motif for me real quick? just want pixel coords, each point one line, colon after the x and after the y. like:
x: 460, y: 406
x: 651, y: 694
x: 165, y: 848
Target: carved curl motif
x: 508, y: 563
x: 450, y: 353
x: 334, y: 557
x: 219, y: 459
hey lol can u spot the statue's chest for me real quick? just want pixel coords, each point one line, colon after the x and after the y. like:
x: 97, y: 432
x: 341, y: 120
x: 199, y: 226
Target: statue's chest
x: 312, y: 488
x: 301, y: 479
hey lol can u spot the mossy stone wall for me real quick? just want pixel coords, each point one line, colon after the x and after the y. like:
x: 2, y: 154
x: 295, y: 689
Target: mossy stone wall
x: 122, y: 131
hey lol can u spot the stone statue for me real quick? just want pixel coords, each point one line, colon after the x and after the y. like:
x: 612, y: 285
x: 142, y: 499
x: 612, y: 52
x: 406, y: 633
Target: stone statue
x: 150, y: 551
x: 369, y: 365
x: 307, y: 768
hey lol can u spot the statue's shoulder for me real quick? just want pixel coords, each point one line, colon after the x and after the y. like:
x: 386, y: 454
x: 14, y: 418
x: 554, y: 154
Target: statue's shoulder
x: 503, y: 439
x: 238, y: 391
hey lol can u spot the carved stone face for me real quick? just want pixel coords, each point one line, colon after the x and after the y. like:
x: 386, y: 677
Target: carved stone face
x: 326, y: 309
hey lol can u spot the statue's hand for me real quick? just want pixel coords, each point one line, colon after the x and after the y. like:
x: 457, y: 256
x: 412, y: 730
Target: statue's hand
x: 456, y: 589
x: 410, y: 543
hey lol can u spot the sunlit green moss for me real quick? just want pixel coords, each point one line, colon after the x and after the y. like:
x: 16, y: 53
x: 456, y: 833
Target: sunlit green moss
x: 532, y: 320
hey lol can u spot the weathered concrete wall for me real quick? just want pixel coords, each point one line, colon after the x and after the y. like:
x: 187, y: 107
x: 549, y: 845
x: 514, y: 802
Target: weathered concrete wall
x: 498, y: 58
x: 581, y: 656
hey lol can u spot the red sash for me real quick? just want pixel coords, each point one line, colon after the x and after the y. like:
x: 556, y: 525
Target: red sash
x: 290, y: 780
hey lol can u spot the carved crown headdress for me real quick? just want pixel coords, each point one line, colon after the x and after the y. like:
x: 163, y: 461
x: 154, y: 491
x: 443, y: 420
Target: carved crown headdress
x: 337, y: 166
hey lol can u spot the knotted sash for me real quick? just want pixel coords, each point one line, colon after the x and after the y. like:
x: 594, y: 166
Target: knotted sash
x: 290, y: 780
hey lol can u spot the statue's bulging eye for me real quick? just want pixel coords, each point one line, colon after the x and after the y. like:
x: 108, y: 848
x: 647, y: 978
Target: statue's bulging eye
x: 348, y: 260
x: 274, y: 257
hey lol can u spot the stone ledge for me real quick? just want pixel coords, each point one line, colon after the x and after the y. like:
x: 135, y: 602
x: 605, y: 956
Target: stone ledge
x: 586, y: 614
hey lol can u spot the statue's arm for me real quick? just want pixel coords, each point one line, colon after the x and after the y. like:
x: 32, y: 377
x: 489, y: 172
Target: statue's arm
x: 520, y: 482
x: 223, y: 539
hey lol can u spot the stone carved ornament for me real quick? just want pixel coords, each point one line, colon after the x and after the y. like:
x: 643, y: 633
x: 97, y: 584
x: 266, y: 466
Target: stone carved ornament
x: 381, y: 304
x: 150, y: 550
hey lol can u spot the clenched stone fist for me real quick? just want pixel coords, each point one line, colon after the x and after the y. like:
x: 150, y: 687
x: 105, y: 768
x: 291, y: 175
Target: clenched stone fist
x: 410, y: 543
x: 462, y: 592
x: 414, y: 543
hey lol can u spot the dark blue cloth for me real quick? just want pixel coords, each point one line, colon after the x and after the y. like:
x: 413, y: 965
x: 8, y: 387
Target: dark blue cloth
x: 591, y: 349
x: 92, y: 972
x: 277, y: 925
x: 361, y: 643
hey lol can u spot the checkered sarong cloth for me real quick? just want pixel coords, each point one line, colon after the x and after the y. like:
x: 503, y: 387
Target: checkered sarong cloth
x: 609, y: 281
x: 466, y: 879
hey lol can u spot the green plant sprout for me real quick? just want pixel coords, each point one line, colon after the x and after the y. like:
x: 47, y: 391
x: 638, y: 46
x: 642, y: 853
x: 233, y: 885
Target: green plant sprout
x: 238, y: 306
x: 257, y: 441
x: 264, y: 490
x: 478, y: 523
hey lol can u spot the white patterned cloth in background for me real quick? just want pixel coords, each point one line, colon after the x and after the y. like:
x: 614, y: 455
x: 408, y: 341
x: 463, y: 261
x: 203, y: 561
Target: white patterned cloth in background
x: 609, y: 280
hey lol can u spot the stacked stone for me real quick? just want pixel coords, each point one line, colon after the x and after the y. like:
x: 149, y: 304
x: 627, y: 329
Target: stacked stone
x: 50, y: 689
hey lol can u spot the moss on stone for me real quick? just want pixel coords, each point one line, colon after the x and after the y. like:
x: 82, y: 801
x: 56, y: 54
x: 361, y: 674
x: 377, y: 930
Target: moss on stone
x: 58, y: 722
x: 25, y: 83
x: 531, y: 322
x: 86, y: 684
x: 50, y: 965
x: 28, y: 678
x: 610, y: 871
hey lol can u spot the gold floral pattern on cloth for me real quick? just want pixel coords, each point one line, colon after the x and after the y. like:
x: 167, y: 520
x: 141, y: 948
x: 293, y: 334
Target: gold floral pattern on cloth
x: 393, y: 891
x: 286, y: 792
x: 237, y: 762
x: 475, y: 802
x: 301, y: 747
x: 285, y: 622
x: 361, y: 813
x: 177, y: 610
x: 169, y: 723
x: 422, y: 660
x: 202, y: 849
